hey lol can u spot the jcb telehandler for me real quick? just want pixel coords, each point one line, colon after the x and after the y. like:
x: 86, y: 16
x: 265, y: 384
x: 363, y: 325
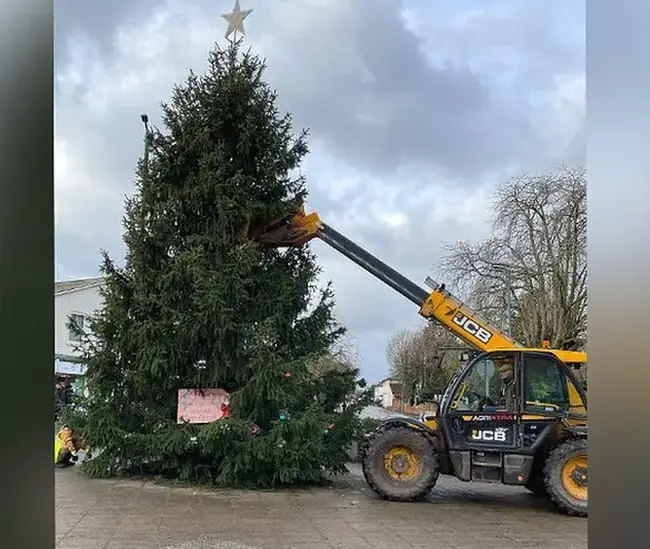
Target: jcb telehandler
x: 511, y: 415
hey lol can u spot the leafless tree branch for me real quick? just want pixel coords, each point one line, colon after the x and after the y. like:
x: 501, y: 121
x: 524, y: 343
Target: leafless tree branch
x: 416, y: 359
x: 538, y: 252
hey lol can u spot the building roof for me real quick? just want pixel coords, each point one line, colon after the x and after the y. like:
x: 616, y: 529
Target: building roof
x: 66, y: 286
x: 384, y: 380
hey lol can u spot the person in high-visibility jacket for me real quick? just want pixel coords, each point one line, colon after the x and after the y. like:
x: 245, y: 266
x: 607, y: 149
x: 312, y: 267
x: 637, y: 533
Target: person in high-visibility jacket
x: 66, y: 447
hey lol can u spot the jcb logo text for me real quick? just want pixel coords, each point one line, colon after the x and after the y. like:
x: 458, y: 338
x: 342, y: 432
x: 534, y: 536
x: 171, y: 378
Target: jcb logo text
x: 498, y: 435
x: 472, y: 328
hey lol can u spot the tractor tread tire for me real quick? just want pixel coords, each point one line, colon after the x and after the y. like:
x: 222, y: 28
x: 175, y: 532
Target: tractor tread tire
x: 536, y: 483
x: 418, y: 442
x: 536, y: 486
x: 553, y: 477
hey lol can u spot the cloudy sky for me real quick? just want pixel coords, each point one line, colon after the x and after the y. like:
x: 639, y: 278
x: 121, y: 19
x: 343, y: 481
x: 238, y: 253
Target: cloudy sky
x: 416, y: 108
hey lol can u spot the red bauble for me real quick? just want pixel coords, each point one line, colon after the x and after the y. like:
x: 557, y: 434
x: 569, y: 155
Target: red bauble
x: 225, y: 410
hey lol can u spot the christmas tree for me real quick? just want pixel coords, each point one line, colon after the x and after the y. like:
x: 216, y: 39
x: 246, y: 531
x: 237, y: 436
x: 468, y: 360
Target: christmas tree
x: 197, y: 305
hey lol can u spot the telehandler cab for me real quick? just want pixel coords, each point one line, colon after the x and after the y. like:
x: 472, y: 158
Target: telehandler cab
x: 511, y: 415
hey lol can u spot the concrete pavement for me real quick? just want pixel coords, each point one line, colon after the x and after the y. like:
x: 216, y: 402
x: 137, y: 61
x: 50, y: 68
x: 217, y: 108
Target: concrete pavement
x: 137, y: 514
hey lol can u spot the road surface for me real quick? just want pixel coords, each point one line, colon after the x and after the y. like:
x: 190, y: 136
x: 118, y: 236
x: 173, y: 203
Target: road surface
x: 133, y: 514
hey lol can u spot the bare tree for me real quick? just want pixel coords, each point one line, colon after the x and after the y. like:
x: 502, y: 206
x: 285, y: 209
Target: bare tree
x: 400, y: 354
x: 417, y: 359
x: 536, y: 257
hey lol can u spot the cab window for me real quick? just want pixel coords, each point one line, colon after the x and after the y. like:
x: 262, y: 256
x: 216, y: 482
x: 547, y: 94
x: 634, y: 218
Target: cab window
x: 489, y: 385
x: 545, y: 385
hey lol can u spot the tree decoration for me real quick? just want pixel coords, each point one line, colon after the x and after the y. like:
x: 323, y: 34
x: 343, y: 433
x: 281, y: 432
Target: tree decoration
x: 225, y: 410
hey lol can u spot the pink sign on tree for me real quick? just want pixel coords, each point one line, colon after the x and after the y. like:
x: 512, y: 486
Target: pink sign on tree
x: 202, y: 405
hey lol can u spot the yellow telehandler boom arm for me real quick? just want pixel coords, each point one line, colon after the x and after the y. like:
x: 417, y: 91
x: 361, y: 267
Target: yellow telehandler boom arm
x: 437, y: 305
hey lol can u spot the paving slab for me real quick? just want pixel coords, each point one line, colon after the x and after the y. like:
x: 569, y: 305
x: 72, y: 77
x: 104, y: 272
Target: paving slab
x: 131, y: 514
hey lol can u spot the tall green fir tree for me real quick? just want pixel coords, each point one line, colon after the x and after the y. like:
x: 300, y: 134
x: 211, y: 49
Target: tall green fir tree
x: 198, y: 305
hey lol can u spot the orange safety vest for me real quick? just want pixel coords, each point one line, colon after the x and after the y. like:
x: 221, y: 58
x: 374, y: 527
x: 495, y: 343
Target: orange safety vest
x: 63, y: 443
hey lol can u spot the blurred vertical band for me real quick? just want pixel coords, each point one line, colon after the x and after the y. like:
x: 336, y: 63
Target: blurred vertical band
x: 618, y: 87
x: 26, y: 271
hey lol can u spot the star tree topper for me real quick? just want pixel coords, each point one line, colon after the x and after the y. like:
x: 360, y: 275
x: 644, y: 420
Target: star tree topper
x: 235, y: 20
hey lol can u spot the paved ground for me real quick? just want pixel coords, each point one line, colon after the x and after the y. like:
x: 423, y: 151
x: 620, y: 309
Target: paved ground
x: 129, y: 515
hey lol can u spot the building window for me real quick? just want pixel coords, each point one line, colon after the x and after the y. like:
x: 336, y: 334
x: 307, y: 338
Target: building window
x: 79, y: 321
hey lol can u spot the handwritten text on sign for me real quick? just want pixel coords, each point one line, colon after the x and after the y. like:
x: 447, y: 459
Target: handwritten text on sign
x: 202, y: 405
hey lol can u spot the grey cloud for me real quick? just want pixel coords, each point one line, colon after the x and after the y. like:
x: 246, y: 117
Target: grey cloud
x: 381, y: 105
x: 367, y: 90
x: 76, y: 255
x: 576, y: 152
x: 106, y: 153
x: 96, y: 19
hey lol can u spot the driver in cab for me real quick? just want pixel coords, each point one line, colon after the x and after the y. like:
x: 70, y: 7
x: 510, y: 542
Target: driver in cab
x: 504, y: 397
x: 506, y: 368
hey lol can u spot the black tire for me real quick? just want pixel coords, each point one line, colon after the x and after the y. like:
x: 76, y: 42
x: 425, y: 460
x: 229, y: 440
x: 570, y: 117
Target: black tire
x: 536, y: 483
x: 391, y: 488
x: 536, y: 486
x: 558, y: 493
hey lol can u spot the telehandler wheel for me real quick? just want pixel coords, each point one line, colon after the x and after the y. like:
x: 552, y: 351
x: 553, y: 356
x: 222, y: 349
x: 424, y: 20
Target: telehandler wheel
x: 400, y: 464
x: 565, y: 477
x: 536, y: 483
x: 537, y: 486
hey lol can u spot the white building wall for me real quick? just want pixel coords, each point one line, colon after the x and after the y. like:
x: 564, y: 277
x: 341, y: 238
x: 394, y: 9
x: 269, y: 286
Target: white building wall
x: 384, y: 394
x: 85, y: 301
